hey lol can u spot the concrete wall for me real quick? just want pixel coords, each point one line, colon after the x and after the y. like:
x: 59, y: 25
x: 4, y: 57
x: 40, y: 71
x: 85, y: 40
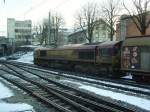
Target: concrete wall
x: 11, y: 28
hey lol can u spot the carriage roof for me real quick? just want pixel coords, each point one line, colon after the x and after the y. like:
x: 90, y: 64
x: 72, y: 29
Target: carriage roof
x: 142, y: 41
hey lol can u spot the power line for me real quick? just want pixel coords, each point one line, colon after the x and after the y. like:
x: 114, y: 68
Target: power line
x: 41, y: 3
x: 59, y: 5
x: 33, y: 8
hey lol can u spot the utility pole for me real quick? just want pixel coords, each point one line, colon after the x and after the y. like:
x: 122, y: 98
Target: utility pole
x: 49, y: 29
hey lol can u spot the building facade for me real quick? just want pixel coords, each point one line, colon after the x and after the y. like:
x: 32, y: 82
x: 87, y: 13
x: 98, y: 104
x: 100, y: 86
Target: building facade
x: 19, y: 30
x: 100, y: 34
x: 77, y: 37
x: 126, y: 28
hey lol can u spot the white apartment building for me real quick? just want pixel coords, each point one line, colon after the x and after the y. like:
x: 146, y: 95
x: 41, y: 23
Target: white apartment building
x: 19, y: 30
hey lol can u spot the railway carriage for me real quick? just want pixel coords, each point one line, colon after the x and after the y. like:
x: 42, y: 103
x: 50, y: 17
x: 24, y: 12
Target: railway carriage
x: 136, y: 57
x: 103, y: 57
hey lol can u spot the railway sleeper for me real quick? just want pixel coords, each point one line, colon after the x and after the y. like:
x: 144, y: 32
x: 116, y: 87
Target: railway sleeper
x: 62, y: 103
x: 41, y: 92
x: 45, y: 95
x: 49, y: 102
x: 51, y: 84
x: 68, y: 107
x: 43, y: 99
x: 52, y: 98
x: 33, y: 87
x: 80, y: 99
x: 56, y: 100
x: 71, y: 101
x: 71, y: 92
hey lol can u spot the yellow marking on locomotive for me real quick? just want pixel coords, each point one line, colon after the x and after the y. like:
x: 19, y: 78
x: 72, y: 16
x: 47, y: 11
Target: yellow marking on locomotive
x: 65, y: 54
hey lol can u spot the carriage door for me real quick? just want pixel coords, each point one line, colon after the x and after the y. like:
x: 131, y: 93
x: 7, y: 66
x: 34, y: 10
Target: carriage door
x: 145, y: 59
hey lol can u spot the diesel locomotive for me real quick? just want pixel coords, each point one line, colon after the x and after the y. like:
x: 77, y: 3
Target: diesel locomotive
x: 104, y: 57
x: 115, y: 58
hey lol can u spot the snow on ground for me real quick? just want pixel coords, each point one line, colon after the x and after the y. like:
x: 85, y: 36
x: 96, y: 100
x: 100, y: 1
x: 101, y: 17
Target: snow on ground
x: 20, y: 57
x: 6, y: 107
x: 128, y: 76
x: 5, y: 92
x: 140, y: 102
x: 110, y: 83
x: 26, y: 58
x: 2, y: 58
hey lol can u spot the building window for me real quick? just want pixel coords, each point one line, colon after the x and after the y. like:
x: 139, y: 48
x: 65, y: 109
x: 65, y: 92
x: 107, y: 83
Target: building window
x: 17, y: 25
x: 29, y: 25
x: 16, y: 31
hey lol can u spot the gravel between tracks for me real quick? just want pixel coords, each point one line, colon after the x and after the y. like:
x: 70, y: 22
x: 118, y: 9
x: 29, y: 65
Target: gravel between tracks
x: 22, y: 97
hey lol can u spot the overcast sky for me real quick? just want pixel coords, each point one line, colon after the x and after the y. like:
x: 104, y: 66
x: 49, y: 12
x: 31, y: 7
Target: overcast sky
x: 36, y: 10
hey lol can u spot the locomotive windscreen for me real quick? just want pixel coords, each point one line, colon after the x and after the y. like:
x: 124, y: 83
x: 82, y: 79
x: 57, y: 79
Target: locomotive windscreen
x: 42, y: 53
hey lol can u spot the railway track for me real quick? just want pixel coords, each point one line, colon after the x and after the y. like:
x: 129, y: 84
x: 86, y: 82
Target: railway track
x: 125, y: 85
x: 63, y: 98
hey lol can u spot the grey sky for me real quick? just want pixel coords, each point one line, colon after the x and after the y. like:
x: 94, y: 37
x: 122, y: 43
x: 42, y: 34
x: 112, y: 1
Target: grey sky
x: 36, y: 10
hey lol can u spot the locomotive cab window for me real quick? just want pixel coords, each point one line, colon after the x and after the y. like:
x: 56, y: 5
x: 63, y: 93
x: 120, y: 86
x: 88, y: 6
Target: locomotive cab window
x: 105, y: 52
x: 42, y: 53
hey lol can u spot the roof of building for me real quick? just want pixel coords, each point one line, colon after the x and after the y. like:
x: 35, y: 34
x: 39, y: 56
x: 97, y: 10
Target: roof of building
x: 80, y: 30
x: 124, y: 17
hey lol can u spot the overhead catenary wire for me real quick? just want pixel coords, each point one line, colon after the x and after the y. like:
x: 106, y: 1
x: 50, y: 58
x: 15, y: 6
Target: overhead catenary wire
x: 33, y: 8
x: 42, y: 3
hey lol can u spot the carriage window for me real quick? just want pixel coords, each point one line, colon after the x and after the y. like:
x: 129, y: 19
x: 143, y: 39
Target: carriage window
x: 145, y: 58
x: 86, y: 55
x: 42, y: 53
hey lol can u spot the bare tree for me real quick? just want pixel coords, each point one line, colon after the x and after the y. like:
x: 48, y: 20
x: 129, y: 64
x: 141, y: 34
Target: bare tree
x: 139, y: 14
x: 44, y: 37
x: 87, y: 18
x: 37, y: 33
x: 51, y: 30
x: 57, y: 23
x: 110, y: 14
